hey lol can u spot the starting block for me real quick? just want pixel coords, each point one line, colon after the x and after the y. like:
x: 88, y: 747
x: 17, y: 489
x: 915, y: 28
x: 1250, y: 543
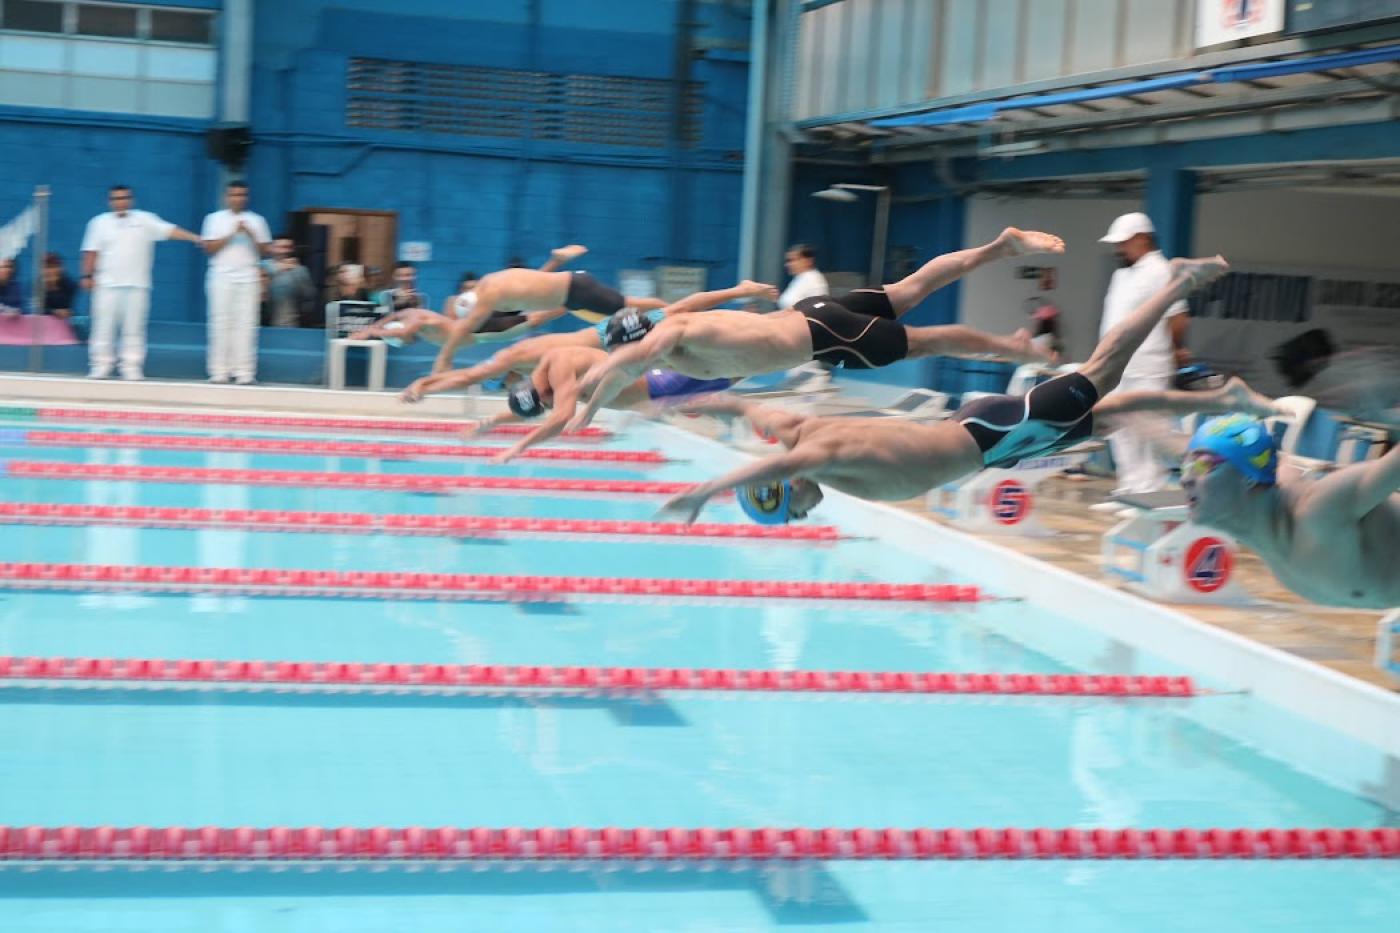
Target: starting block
x: 1387, y: 641
x: 1002, y: 501
x: 1163, y: 555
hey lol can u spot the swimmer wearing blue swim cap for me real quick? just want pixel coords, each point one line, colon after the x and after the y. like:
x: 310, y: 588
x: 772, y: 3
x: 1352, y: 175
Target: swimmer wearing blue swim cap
x: 779, y: 503
x: 1238, y: 440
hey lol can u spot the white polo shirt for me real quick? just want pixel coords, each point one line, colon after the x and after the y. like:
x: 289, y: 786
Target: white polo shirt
x: 238, y: 260
x: 125, y: 246
x: 809, y: 284
x: 1128, y: 289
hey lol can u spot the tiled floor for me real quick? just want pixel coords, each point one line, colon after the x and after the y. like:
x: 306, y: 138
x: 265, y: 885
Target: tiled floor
x: 1337, y: 638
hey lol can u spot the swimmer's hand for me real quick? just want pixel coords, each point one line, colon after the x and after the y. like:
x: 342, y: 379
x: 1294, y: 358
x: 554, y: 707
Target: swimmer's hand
x: 415, y: 391
x: 364, y: 333
x: 684, y: 508
x: 473, y: 431
x: 752, y: 289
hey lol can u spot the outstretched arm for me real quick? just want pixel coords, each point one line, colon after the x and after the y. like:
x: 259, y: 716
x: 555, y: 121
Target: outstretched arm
x: 494, y: 368
x: 462, y: 333
x: 1231, y: 397
x: 490, y: 424
x: 767, y: 420
x: 606, y: 379
x: 565, y: 401
x: 703, y: 301
x: 686, y: 506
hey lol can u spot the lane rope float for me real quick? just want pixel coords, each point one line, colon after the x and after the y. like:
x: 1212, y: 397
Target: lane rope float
x: 121, y: 672
x: 456, y: 526
x: 449, y: 586
x: 347, y: 844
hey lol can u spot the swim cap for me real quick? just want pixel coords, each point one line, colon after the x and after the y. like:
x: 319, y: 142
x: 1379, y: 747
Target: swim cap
x: 525, y: 402
x: 1243, y: 442
x: 394, y: 341
x: 627, y: 326
x: 766, y: 503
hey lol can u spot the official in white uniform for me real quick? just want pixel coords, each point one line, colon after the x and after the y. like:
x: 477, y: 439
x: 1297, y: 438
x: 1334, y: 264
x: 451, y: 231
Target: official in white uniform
x: 235, y: 239
x: 117, y: 249
x: 1144, y: 271
x: 807, y: 281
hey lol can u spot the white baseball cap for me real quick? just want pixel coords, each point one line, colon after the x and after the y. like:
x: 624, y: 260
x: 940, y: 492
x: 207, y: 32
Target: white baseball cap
x: 1127, y: 227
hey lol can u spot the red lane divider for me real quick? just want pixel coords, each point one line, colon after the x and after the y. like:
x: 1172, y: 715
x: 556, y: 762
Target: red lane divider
x: 87, y: 439
x: 44, y: 513
x: 212, y: 419
x: 403, y: 482
x: 277, y: 581
x: 352, y: 674
x: 575, y: 843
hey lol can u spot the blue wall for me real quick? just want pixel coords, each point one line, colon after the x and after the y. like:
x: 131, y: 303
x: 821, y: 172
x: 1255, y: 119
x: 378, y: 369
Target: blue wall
x: 482, y: 200
x: 477, y: 199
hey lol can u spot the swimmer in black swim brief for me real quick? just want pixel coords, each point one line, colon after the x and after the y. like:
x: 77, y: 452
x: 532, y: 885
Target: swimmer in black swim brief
x: 892, y: 460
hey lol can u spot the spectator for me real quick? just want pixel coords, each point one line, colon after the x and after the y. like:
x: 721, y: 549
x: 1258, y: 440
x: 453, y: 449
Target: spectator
x: 1144, y: 271
x: 234, y: 238
x: 347, y: 283
x: 11, y: 295
x: 117, y: 249
x: 807, y: 281
x: 58, y: 288
x: 289, y: 285
x: 405, y: 293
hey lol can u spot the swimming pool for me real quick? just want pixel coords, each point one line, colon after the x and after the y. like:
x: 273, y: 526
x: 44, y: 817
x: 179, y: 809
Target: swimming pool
x: 93, y: 755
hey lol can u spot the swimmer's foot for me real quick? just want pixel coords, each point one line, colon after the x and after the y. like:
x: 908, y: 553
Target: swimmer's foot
x: 752, y: 289
x: 567, y: 253
x: 1240, y: 397
x: 1198, y: 272
x: 1027, y: 242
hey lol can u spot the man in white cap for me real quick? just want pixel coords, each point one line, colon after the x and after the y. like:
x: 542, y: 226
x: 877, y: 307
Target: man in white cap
x: 1144, y: 271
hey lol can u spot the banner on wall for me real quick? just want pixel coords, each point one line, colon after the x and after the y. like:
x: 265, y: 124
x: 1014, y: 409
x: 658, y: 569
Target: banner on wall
x: 1220, y: 21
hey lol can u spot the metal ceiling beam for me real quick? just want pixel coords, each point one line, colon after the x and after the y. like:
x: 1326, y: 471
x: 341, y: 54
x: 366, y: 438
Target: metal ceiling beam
x: 1216, y: 105
x: 1387, y: 32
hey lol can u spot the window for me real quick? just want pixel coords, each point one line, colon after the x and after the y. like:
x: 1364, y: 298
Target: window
x: 116, y: 21
x: 182, y: 26
x: 32, y: 15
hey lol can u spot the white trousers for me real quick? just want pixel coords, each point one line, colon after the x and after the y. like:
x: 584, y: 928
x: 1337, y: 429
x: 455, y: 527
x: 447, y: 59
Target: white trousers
x: 233, y: 327
x: 112, y: 307
x: 1139, y: 469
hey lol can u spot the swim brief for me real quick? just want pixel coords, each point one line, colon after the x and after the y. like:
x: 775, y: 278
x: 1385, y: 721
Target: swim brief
x: 588, y: 294
x: 1050, y: 417
x: 666, y: 383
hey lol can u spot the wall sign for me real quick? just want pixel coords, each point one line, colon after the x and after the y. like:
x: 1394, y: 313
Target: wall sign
x: 1220, y: 21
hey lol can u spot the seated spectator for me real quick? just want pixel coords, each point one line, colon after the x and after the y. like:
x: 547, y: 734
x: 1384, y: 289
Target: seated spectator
x: 289, y: 286
x: 347, y: 283
x: 11, y: 295
x: 59, y: 289
x: 405, y: 293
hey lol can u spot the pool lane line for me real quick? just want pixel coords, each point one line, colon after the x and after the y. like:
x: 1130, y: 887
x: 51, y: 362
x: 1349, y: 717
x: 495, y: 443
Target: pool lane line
x: 276, y: 422
x: 120, y: 673
x: 348, y: 845
x: 276, y: 581
x: 263, y: 445
x: 392, y: 482
x: 446, y: 526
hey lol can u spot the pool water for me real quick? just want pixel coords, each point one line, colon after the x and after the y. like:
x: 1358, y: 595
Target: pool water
x: 193, y: 757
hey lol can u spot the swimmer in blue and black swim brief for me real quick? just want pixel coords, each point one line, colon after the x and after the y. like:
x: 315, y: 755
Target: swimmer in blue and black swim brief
x: 550, y: 391
x: 892, y: 459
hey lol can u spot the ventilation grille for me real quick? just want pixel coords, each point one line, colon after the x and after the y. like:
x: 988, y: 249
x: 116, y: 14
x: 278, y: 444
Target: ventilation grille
x: 461, y: 100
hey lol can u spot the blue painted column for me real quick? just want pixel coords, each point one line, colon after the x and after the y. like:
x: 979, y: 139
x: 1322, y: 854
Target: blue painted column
x: 1171, y: 203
